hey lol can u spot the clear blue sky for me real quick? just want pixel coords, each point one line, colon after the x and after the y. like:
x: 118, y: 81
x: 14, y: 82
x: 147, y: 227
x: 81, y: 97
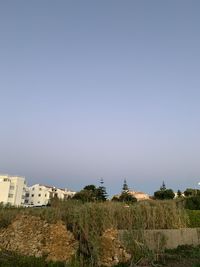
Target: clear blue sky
x: 92, y: 89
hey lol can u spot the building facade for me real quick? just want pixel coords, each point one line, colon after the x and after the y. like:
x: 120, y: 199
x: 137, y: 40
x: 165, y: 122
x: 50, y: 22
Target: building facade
x: 40, y: 195
x: 12, y: 190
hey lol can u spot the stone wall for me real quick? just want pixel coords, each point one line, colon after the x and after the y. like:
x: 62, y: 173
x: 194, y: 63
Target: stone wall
x: 171, y: 238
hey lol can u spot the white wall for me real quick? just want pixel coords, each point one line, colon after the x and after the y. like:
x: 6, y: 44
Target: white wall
x: 12, y: 189
x: 4, y: 191
x: 38, y: 195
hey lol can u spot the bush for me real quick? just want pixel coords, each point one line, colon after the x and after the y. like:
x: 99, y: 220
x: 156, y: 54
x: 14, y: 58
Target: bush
x: 127, y: 198
x: 191, y: 192
x: 164, y: 194
x: 193, y: 203
x: 7, y: 214
x: 10, y: 259
x: 194, y: 218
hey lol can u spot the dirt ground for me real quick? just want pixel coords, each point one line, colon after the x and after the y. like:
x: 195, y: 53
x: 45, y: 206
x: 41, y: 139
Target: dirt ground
x: 184, y: 263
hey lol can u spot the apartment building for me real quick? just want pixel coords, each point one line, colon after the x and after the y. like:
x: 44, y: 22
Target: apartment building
x: 40, y: 195
x: 12, y: 189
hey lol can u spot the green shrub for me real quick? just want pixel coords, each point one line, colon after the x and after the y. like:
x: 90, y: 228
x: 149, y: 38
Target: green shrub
x: 194, y: 218
x: 164, y: 194
x: 10, y: 259
x: 7, y: 215
x: 186, y: 251
x: 193, y: 203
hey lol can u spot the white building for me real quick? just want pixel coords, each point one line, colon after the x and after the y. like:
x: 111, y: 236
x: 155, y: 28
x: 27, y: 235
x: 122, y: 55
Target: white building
x: 40, y: 195
x: 12, y: 190
x: 139, y: 195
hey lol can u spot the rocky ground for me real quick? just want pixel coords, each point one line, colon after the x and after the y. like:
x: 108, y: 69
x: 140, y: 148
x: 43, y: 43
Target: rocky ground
x: 31, y: 236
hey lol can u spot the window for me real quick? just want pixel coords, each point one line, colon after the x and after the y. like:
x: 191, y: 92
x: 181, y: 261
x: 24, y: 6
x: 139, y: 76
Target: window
x: 26, y: 201
x: 10, y: 195
x: 39, y: 195
x: 12, y: 187
x: 45, y: 195
x: 23, y: 197
x: 33, y: 188
x: 40, y: 189
x: 38, y: 202
x: 27, y: 195
x: 32, y: 195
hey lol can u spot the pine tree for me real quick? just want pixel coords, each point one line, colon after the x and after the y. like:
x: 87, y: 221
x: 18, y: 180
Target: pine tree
x: 101, y: 191
x: 163, y: 187
x: 125, y: 187
x: 125, y: 194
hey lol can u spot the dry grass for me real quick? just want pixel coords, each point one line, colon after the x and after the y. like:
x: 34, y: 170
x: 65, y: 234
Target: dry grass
x: 88, y: 221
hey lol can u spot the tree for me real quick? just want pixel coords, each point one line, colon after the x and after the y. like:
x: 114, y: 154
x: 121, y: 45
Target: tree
x: 163, y: 187
x: 101, y: 193
x: 191, y: 192
x: 159, y: 195
x: 115, y: 198
x: 125, y: 195
x: 125, y: 186
x: 85, y: 196
x: 90, y: 187
x: 127, y: 198
x: 169, y: 194
x: 90, y: 193
x: 179, y: 193
x: 193, y: 202
x: 164, y: 193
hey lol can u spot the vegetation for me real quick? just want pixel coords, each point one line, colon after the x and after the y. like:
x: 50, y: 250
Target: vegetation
x: 125, y: 195
x: 127, y: 198
x: 194, y: 218
x: 125, y: 186
x: 88, y: 194
x: 179, y: 193
x: 186, y: 255
x: 89, y: 220
x: 7, y: 214
x: 191, y: 192
x: 193, y: 202
x: 11, y: 259
x: 88, y: 215
x: 101, y: 192
x: 164, y: 193
x: 91, y: 193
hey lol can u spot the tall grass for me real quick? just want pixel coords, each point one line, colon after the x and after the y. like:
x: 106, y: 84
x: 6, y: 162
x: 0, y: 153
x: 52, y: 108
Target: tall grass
x: 88, y: 221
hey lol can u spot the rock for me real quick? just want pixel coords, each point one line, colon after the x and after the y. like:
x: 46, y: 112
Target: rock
x: 111, y: 250
x: 32, y: 236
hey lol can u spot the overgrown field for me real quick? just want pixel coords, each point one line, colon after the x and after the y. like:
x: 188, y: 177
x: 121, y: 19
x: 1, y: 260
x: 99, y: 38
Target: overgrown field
x: 88, y: 221
x: 101, y: 216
